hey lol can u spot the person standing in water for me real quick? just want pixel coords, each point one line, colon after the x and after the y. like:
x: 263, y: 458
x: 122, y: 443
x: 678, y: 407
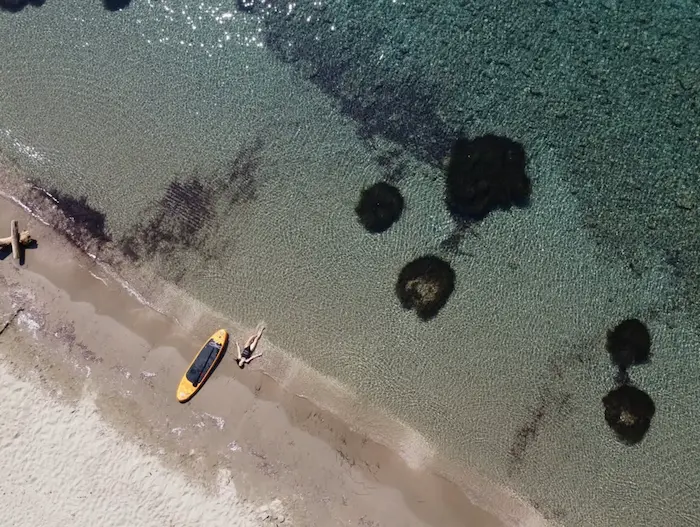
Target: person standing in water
x: 245, y: 356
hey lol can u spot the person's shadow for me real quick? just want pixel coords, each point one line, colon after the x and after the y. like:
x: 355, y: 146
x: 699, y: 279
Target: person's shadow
x: 7, y: 251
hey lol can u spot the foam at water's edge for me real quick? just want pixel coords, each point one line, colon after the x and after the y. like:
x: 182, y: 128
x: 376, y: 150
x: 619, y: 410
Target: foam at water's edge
x: 296, y: 377
x: 23, y: 206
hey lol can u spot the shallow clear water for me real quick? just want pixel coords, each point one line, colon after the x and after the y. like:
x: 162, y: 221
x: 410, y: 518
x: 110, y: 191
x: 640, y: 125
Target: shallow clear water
x: 115, y: 106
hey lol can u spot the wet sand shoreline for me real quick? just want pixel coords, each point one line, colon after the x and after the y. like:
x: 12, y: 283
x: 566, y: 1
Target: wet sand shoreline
x: 277, y: 443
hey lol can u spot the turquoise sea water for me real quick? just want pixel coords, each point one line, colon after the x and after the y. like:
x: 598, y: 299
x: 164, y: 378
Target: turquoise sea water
x: 294, y: 107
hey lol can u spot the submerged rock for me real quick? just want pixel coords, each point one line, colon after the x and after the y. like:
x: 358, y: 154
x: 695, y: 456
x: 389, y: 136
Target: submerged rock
x: 245, y: 6
x: 629, y: 343
x: 115, y: 5
x: 380, y: 206
x: 484, y: 174
x: 628, y: 411
x: 425, y: 285
x: 14, y: 6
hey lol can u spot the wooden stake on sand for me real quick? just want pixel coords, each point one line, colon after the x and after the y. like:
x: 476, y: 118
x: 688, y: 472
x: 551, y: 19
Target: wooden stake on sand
x: 14, y: 233
x: 16, y: 239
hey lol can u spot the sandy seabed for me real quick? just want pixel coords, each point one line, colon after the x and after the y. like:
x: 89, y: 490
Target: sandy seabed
x: 94, y: 436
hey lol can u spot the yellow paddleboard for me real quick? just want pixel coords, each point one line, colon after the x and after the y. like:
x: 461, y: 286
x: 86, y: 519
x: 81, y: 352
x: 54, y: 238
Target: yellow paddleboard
x: 201, y: 366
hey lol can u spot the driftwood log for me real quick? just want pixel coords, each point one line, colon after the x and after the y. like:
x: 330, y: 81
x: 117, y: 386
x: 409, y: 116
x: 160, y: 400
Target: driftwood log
x: 24, y: 239
x: 16, y: 239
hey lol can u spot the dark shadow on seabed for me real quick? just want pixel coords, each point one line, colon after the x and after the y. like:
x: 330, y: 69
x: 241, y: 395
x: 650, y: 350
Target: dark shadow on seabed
x: 87, y: 225
x: 14, y: 6
x: 389, y: 101
x: 183, y: 218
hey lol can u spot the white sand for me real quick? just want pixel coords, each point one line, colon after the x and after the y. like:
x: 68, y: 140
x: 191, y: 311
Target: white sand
x: 63, y: 465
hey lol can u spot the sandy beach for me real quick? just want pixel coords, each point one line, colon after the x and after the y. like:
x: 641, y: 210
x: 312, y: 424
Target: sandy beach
x: 96, y: 435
